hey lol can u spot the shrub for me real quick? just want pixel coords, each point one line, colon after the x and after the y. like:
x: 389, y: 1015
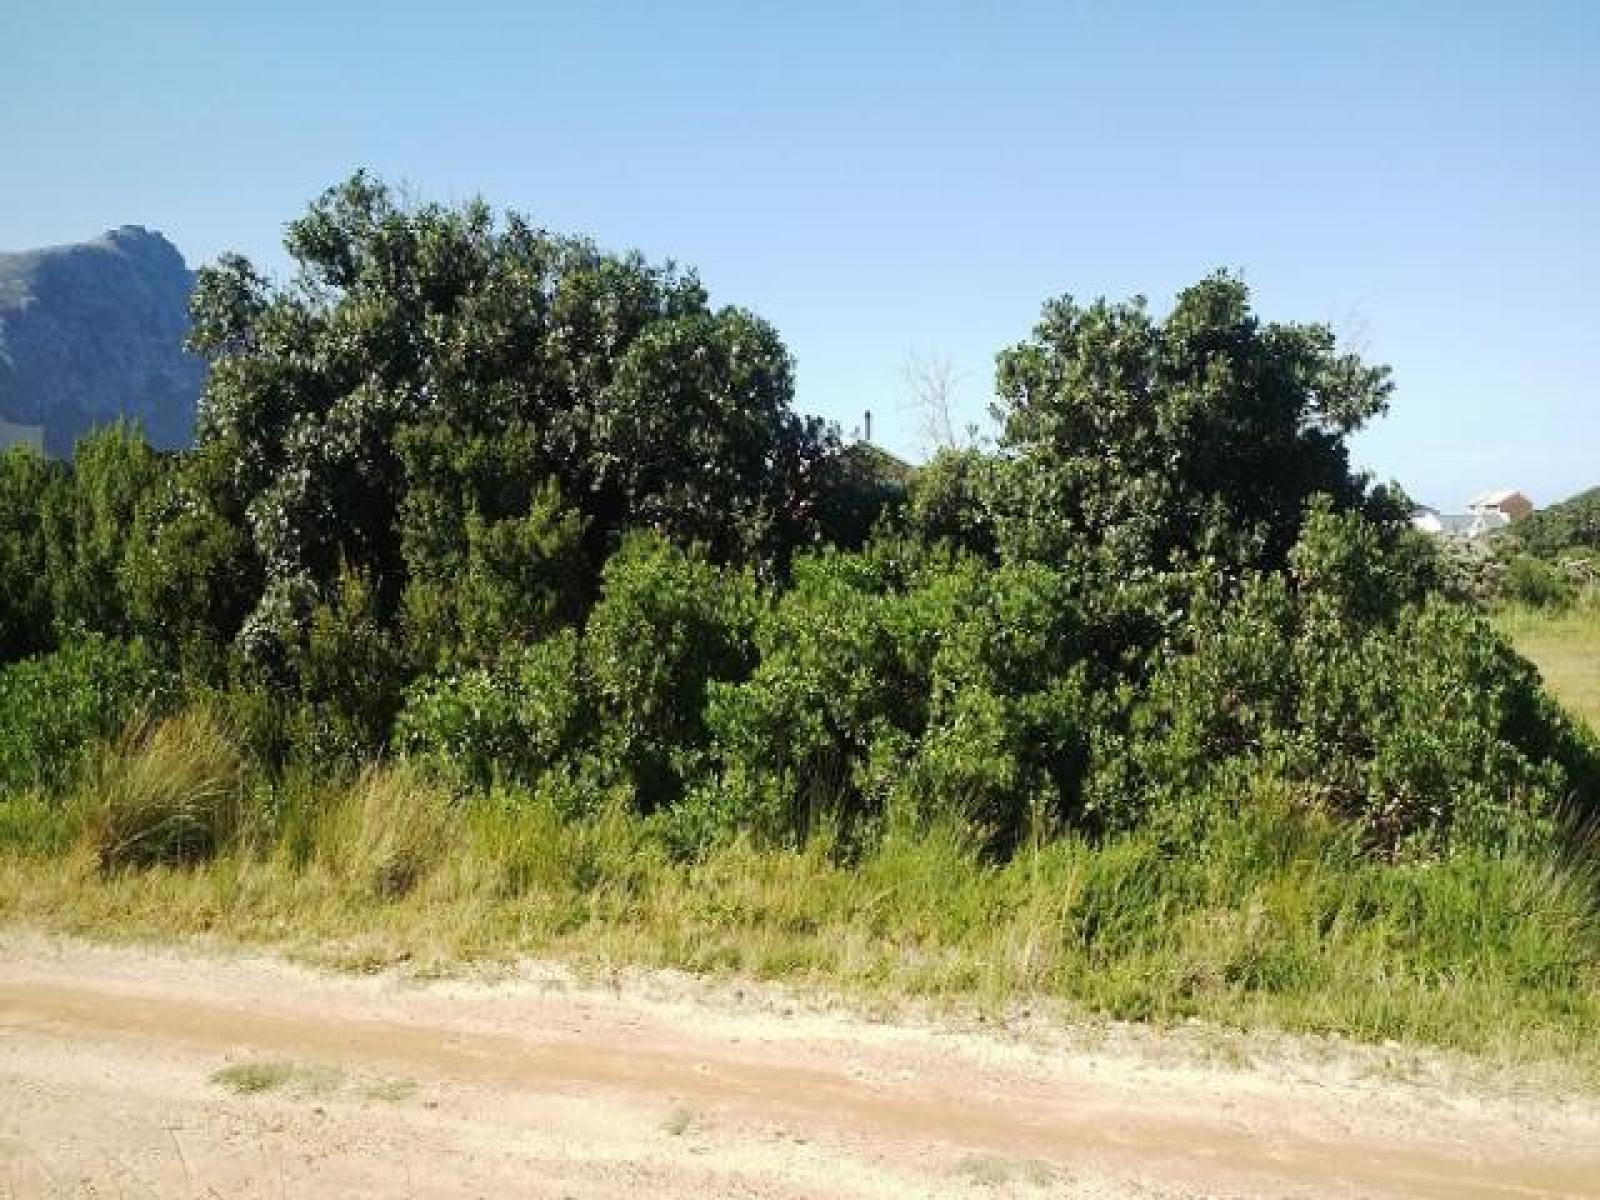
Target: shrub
x: 512, y: 721
x: 492, y: 556
x: 1573, y: 525
x: 667, y: 626
x: 54, y: 707
x: 950, y: 500
x: 29, y: 484
x: 90, y: 526
x: 945, y: 691
x: 1536, y: 583
x: 1414, y: 720
x: 190, y: 572
x: 168, y: 793
x: 350, y: 676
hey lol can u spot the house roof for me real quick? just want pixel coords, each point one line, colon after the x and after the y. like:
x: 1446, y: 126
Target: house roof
x: 1493, y: 499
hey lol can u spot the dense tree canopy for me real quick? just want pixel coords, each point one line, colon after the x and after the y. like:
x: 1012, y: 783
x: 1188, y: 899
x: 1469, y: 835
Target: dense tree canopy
x: 1145, y: 436
x: 542, y: 518
x: 429, y: 371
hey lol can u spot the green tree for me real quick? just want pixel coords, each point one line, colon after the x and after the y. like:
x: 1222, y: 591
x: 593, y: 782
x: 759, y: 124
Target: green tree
x: 1572, y: 526
x: 1137, y: 441
x: 613, y: 377
x: 28, y: 483
x: 89, y: 528
x: 190, y: 572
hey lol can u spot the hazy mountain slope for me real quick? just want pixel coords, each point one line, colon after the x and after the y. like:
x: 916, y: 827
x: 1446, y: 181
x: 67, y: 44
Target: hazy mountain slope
x: 94, y: 331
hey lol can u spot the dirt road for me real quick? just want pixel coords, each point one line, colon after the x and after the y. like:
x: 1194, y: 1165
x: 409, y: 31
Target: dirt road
x: 128, y: 1072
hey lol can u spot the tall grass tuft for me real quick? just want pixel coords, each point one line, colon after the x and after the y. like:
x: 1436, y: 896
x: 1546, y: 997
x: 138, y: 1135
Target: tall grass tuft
x: 169, y: 793
x: 387, y: 831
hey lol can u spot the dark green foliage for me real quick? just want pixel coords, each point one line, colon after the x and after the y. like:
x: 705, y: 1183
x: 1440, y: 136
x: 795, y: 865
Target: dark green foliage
x: 1535, y: 583
x: 523, y: 575
x: 28, y: 484
x: 953, y: 691
x: 55, y: 706
x: 1405, y: 714
x: 627, y: 697
x: 513, y: 721
x: 492, y: 553
x: 416, y: 342
x: 669, y: 625
x: 952, y: 500
x: 1134, y: 437
x: 190, y: 573
x: 1572, y: 526
x: 90, y: 526
x: 860, y: 486
x: 349, y: 674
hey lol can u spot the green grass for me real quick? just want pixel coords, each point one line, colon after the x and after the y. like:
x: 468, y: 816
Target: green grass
x: 252, y: 1077
x: 269, y: 1075
x: 1272, y: 921
x: 1565, y: 646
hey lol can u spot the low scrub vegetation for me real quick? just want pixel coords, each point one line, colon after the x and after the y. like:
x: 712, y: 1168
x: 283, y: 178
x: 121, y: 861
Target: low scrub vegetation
x: 506, y: 604
x: 1266, y: 915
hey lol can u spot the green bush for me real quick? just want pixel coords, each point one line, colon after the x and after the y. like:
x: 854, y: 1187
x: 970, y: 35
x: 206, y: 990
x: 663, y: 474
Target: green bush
x: 1413, y: 719
x: 946, y: 690
x: 1573, y: 525
x: 543, y: 519
x: 1536, y: 583
x: 28, y: 484
x: 90, y: 528
x: 512, y: 721
x: 668, y: 626
x: 55, y: 706
x: 350, y: 676
x: 624, y: 700
x: 190, y: 572
x: 493, y: 557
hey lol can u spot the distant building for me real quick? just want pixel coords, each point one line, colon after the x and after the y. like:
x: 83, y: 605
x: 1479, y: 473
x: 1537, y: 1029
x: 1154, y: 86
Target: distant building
x: 1512, y: 504
x: 11, y: 435
x: 1486, y: 513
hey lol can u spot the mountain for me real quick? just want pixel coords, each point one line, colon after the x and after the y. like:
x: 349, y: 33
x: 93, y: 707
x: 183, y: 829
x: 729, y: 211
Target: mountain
x: 92, y: 332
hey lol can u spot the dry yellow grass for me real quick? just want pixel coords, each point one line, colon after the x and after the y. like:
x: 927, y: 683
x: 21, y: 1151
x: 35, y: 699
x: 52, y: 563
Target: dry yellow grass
x: 1566, y: 649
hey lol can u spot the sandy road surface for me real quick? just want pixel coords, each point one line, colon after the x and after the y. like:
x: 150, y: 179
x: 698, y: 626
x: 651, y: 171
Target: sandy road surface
x: 126, y: 1072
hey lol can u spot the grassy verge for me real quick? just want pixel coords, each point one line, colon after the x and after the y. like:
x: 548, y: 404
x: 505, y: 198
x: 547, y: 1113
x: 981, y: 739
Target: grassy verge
x: 1273, y: 921
x: 1565, y: 646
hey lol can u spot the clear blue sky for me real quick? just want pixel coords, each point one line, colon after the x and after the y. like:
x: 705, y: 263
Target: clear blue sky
x: 879, y: 179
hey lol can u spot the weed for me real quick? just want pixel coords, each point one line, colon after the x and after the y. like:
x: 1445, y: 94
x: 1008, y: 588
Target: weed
x: 680, y: 1122
x: 390, y: 1091
x: 249, y: 1078
x: 1272, y: 919
x: 269, y: 1075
